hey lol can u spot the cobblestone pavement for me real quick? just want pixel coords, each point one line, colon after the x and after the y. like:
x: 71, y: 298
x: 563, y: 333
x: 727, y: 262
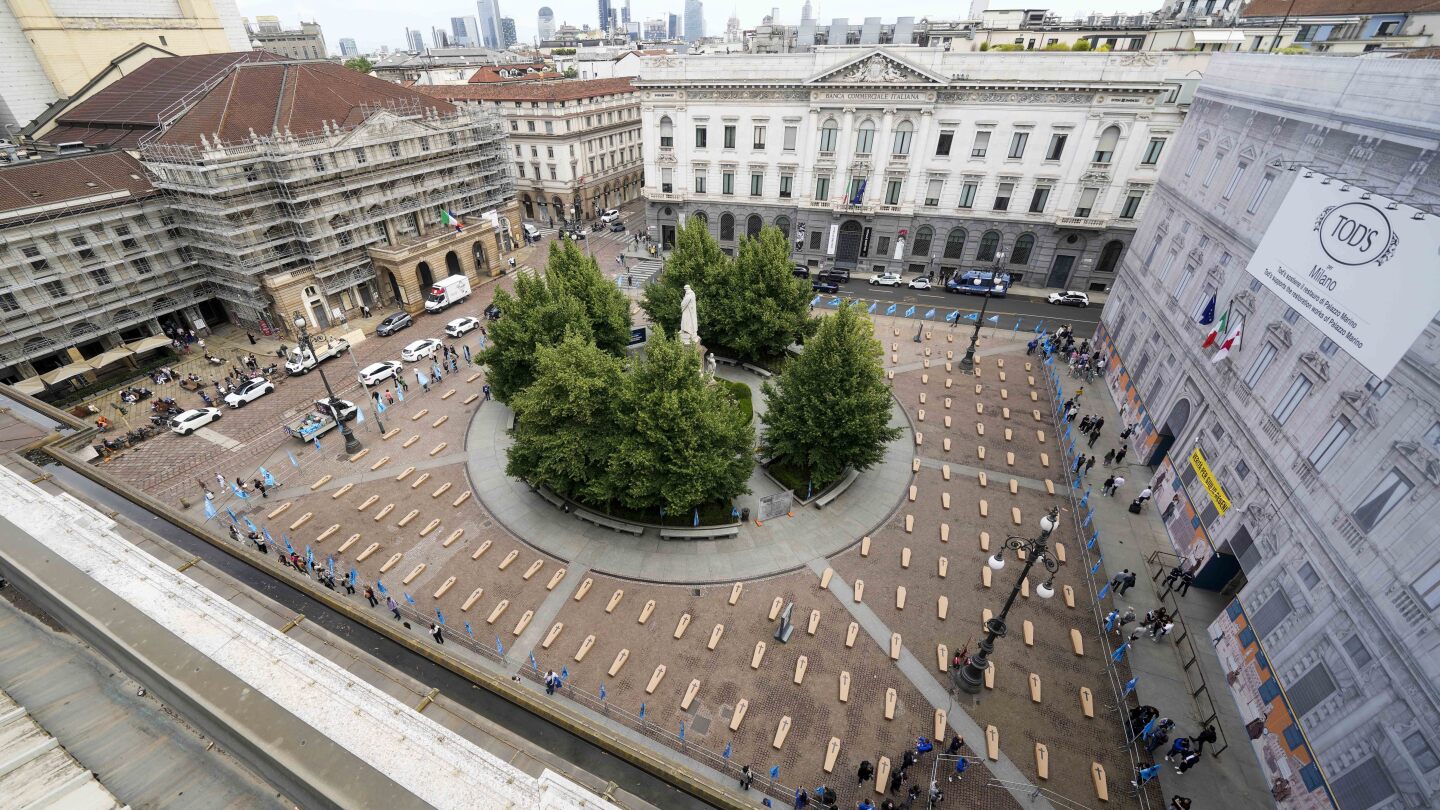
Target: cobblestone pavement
x: 409, y: 512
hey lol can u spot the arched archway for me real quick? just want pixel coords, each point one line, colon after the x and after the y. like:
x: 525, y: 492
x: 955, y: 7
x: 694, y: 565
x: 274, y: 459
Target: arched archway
x: 847, y: 248
x: 1024, y: 246
x: 989, y: 244
x: 727, y: 227
x: 482, y: 262
x: 394, y: 286
x: 921, y: 246
x: 559, y: 207
x: 753, y: 224
x: 1110, y: 256
x: 424, y: 277
x: 783, y: 223
x: 1173, y: 426
x: 452, y: 265
x: 955, y: 243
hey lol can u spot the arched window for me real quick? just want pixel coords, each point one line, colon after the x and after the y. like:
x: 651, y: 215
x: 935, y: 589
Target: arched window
x: 989, y: 243
x: 783, y: 223
x: 727, y: 227
x: 753, y: 224
x: 865, y: 138
x: 900, y: 145
x: 1105, y: 149
x: 1024, y: 246
x: 1110, y: 256
x: 955, y: 243
x: 704, y: 219
x: 829, y: 133
x: 923, y: 236
x: 667, y: 132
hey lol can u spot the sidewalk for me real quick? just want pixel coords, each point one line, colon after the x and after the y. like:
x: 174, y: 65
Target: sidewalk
x: 1181, y: 684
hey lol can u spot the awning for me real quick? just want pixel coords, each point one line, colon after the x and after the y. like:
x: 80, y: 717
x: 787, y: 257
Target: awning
x: 30, y: 385
x: 146, y: 344
x: 1212, y: 37
x: 112, y: 356
x: 64, y: 373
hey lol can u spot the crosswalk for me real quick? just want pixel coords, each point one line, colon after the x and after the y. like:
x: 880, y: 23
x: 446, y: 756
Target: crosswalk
x: 641, y: 272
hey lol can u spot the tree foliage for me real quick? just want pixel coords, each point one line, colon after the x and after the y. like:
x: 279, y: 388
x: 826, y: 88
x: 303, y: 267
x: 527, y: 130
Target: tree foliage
x: 829, y: 408
x: 359, y: 64
x: 572, y: 297
x: 571, y: 73
x: 1081, y: 45
x: 751, y: 307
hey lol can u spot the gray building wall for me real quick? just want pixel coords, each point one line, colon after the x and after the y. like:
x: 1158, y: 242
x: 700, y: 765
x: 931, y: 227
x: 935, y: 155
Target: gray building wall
x: 1346, y: 606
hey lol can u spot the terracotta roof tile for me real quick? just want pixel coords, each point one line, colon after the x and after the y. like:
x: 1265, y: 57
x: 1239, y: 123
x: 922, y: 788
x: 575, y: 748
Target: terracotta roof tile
x: 530, y: 91
x: 36, y: 183
x: 1325, y: 8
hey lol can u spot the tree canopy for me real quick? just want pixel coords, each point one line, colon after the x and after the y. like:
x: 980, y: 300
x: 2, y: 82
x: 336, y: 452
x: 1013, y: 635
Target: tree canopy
x: 829, y: 408
x: 359, y: 64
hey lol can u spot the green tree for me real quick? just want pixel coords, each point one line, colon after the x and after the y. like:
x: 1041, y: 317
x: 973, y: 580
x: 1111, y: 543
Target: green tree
x: 830, y: 407
x: 607, y: 309
x: 359, y: 64
x: 695, y: 257
x: 683, y: 443
x: 1081, y: 45
x: 984, y: 46
x: 566, y: 425
x: 571, y: 73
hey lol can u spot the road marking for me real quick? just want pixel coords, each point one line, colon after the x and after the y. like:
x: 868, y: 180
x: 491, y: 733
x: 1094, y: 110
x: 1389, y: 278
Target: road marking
x: 211, y: 436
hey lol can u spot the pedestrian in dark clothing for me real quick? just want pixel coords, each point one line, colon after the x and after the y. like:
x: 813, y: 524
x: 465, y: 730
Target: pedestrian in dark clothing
x: 370, y: 596
x: 1085, y: 423
x: 485, y: 389
x: 802, y: 799
x: 1186, y: 580
x: 349, y: 586
x: 1089, y: 462
x: 1094, y: 436
x: 897, y: 780
x: 1079, y: 462
x: 1120, y: 456
x: 746, y: 777
x: 435, y: 631
x: 1118, y: 581
x: 1171, y: 578
x: 394, y: 607
x: 956, y: 743
x: 1190, y: 760
x: 1099, y: 423
x: 866, y: 771
x: 260, y: 485
x: 1206, y: 736
x: 1109, y: 458
x: 1108, y: 485
x: 1180, y: 803
x: 1179, y: 748
x: 907, y: 760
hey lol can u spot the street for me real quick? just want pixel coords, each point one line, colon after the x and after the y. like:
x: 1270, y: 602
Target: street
x: 1029, y: 313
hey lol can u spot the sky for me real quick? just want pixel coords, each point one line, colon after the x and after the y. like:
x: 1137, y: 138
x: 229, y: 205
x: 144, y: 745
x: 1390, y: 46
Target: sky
x: 372, y: 23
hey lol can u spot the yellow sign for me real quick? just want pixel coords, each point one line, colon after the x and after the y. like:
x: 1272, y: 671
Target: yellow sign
x: 1208, y: 480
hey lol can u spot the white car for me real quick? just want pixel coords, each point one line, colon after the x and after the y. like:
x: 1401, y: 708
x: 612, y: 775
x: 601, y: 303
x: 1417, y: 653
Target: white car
x: 921, y: 283
x: 192, y: 420
x: 460, y: 326
x: 610, y: 215
x: 375, y: 372
x: 886, y: 279
x: 1069, y: 298
x: 249, y: 392
x: 421, y: 348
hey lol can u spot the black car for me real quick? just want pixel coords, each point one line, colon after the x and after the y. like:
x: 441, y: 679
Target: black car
x: 393, y: 323
x: 492, y: 313
x: 617, y: 226
x: 835, y: 276
x: 800, y: 271
x: 824, y: 285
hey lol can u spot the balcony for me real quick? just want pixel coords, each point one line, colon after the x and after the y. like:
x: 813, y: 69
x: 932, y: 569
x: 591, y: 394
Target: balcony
x: 1093, y: 223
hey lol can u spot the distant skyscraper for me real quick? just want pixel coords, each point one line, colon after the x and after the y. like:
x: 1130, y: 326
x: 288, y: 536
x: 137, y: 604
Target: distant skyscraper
x: 605, y: 15
x: 414, y: 40
x: 806, y: 12
x: 546, y: 19
x: 508, y: 36
x: 672, y: 26
x: 694, y: 20
x: 440, y: 37
x: 625, y: 14
x: 465, y: 31
x: 348, y: 48
x: 490, y: 32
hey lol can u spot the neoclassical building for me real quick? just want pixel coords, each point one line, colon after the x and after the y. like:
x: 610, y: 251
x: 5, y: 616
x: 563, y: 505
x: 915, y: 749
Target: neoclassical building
x: 917, y: 159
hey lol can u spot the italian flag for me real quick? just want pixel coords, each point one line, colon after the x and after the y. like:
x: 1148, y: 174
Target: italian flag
x: 449, y: 220
x: 1232, y: 340
x: 1218, y: 330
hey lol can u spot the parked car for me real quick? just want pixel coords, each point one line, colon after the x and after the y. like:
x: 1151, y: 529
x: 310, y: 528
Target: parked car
x: 800, y: 271
x: 610, y: 215
x: 1069, y: 298
x: 425, y: 347
x: 249, y: 392
x: 617, y: 226
x: 920, y: 283
x: 836, y: 274
x: 393, y: 323
x: 887, y: 279
x: 192, y: 420
x: 824, y: 285
x: 492, y: 313
x: 460, y: 326
x: 383, y: 370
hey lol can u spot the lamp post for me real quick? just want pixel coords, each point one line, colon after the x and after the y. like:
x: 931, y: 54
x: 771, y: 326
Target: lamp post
x: 352, y: 444
x: 971, y: 677
x: 967, y: 363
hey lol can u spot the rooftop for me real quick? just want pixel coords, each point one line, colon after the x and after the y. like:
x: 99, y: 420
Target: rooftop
x: 490, y: 74
x: 38, y: 187
x: 1334, y: 8
x: 531, y: 91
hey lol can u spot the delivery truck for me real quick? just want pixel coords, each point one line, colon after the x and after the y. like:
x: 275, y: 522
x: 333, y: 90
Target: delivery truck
x: 447, y: 291
x: 300, y: 360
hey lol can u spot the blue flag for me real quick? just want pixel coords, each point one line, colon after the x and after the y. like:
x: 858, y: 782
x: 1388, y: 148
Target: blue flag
x: 359, y: 416
x: 1085, y: 501
x: 909, y: 312
x: 974, y: 316
x: 499, y: 648
x: 696, y: 520
x: 1096, y: 566
x: 1119, y: 654
x: 602, y: 691
x: 682, y: 729
x: 231, y: 513
x: 408, y: 597
x: 1077, y: 484
x: 439, y: 617
x: 269, y: 479
x: 564, y: 673
x: 727, y: 751
x: 239, y: 493
x: 400, y: 393
x: 1088, y: 515
x: 1150, y: 726
x: 317, y: 444
x: 890, y: 310
x: 268, y: 538
x: 1017, y: 326
x: 734, y: 513
x: 1093, y: 538
x: 354, y: 575
x: 534, y: 663
x: 310, y: 557
x: 380, y: 586
x: 930, y: 313
x: 872, y: 307
x: 859, y: 194
x: 954, y: 316
x: 1104, y: 589
x: 1130, y: 687
x: 294, y: 462
x: 642, y: 711
x: 379, y: 406
x: 1207, y: 316
x: 816, y: 300
x: 250, y: 526
x: 330, y: 565
x: 468, y: 631
x: 993, y: 319
x: 774, y: 771
x: 1146, y: 774
x: 289, y: 549
x: 1040, y: 327
x: 1110, y: 619
x: 210, y: 509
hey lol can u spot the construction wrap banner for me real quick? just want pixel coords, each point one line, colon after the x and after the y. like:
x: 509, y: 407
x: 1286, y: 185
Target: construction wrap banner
x: 1207, y: 480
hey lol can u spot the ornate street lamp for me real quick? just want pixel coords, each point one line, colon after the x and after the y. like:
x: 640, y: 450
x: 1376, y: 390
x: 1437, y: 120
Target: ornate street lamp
x: 971, y: 677
x: 352, y: 444
x: 967, y: 363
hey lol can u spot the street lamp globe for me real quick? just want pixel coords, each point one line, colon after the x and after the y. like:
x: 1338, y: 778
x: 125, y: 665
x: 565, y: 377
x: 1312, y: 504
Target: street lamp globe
x: 997, y: 562
x: 1048, y: 524
x: 299, y: 322
x: 1045, y: 590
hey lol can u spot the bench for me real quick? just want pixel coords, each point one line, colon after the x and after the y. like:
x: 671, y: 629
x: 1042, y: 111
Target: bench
x: 607, y: 523
x: 753, y: 369
x: 699, y: 533
x: 837, y: 489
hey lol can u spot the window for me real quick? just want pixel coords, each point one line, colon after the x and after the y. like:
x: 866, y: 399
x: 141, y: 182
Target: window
x: 1386, y: 495
x: 667, y: 132
x: 815, y: 237
x: 100, y: 276
x: 727, y: 182
x: 552, y: 171
x: 727, y: 227
x: 989, y: 244
x: 1194, y: 158
x: 892, y: 192
x: 1023, y: 248
x: 1057, y: 146
x: 8, y: 303
x: 900, y: 143
x: 549, y: 129
x: 699, y: 184
x: 1087, y: 201
x: 923, y: 237
x: 829, y: 133
x: 790, y: 135
x: 1331, y: 443
x: 758, y: 141
x: 1260, y: 191
x: 967, y: 194
x: 882, y: 245
x: 1132, y: 204
x: 55, y: 288
x: 1377, y: 387
x: 318, y: 161
x: 424, y: 144
x: 1214, y: 167
x: 1185, y: 279
x: 1017, y: 145
x: 1311, y: 689
x: 757, y: 184
x: 942, y: 146
x: 932, y: 192
x: 855, y: 193
x: 1292, y: 399
x: 520, y: 169
x: 1257, y: 369
x: 530, y: 125
x: 1419, y: 749
x: 1427, y: 587
x: 1308, y: 575
x: 729, y: 136
x: 1328, y: 347
x: 822, y: 190
x: 1105, y: 149
x: 753, y: 224
x: 1365, y: 785
x: 1152, y: 152
x: 1291, y: 315
x: 550, y: 152
x: 701, y: 135
x: 1355, y: 648
x: 1234, y: 180
x: 1271, y: 614
x: 865, y: 138
x: 1002, y: 196
x: 955, y: 243
x: 1039, y: 198
x: 360, y: 156
x: 982, y: 143
x: 785, y: 181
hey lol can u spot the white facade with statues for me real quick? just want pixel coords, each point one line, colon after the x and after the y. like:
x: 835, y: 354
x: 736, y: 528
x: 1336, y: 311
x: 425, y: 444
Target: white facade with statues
x: 917, y: 159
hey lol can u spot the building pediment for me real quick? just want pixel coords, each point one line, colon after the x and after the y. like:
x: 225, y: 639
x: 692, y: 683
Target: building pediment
x: 384, y: 125
x: 876, y: 68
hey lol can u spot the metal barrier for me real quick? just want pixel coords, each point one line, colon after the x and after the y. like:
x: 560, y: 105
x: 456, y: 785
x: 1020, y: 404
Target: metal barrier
x: 1190, y: 657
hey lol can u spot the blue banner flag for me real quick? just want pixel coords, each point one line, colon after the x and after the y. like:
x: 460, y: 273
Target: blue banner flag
x: 774, y: 771
x: 499, y: 648
x: 816, y: 300
x: 1017, y: 326
x: 1207, y: 316
x: 400, y: 393
x: 1110, y: 619
x: 354, y: 575
x: 1076, y: 484
x: 1096, y: 567
x: 872, y: 307
x: 1104, y: 590
x: 1040, y: 327
x: 210, y: 509
x: 239, y: 493
x: 1089, y: 516
x: 890, y: 310
x: 359, y: 416
x: 974, y: 316
x: 468, y: 631
x: 1119, y: 654
x: 231, y: 513
x: 564, y: 673
x: 310, y: 558
x: 533, y: 663
x: 834, y: 302
x: 910, y: 312
x: 1150, y: 726
x: 380, y: 586
x: 859, y: 194
x: 1129, y: 687
x: 1093, y: 538
x: 269, y: 479
x: 1085, y: 501
x: 294, y: 462
x: 408, y: 597
x: 993, y: 319
x: 330, y: 565
x: 289, y: 549
x: 696, y: 520
x: 1146, y: 774
x: 602, y: 691
x: 250, y: 526
x: 642, y: 711
x: 266, y: 533
x: 682, y: 729
x: 929, y: 313
x: 380, y: 406
x: 726, y: 754
x: 439, y: 617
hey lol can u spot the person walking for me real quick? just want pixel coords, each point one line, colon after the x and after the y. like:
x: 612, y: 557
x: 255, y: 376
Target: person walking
x: 1146, y: 494
x: 865, y: 773
x: 1171, y: 578
x: 1094, y: 436
x: 1186, y: 580
x: 1117, y: 582
x: 1079, y: 462
x: 956, y: 743
x: 1110, y: 457
x: 1116, y: 484
x: 220, y: 479
x: 1108, y: 485
x: 746, y: 777
x: 802, y: 799
x: 1180, y: 803
x: 1161, y: 630
x: 897, y: 780
x: 348, y: 583
x: 370, y: 596
x: 485, y: 389
x: 1179, y: 748
x: 1085, y: 423
x: 1126, y: 618
x: 389, y: 397
x: 1099, y: 423
x: 1089, y: 462
x: 1120, y: 456
x: 393, y: 606
x: 435, y: 631
x: 1206, y: 736
x: 960, y: 765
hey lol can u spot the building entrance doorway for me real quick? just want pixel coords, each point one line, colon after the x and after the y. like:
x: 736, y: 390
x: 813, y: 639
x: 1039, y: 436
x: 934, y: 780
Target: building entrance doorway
x: 847, y: 248
x: 1060, y: 271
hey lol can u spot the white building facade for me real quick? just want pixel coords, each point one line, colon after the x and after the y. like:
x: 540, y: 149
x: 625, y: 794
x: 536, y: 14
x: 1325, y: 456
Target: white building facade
x: 915, y: 159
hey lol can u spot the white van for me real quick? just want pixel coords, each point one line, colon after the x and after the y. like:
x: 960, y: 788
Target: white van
x: 447, y: 291
x: 532, y: 233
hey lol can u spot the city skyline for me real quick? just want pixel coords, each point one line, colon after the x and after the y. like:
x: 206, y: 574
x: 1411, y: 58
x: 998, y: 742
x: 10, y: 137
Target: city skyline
x: 372, y: 23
